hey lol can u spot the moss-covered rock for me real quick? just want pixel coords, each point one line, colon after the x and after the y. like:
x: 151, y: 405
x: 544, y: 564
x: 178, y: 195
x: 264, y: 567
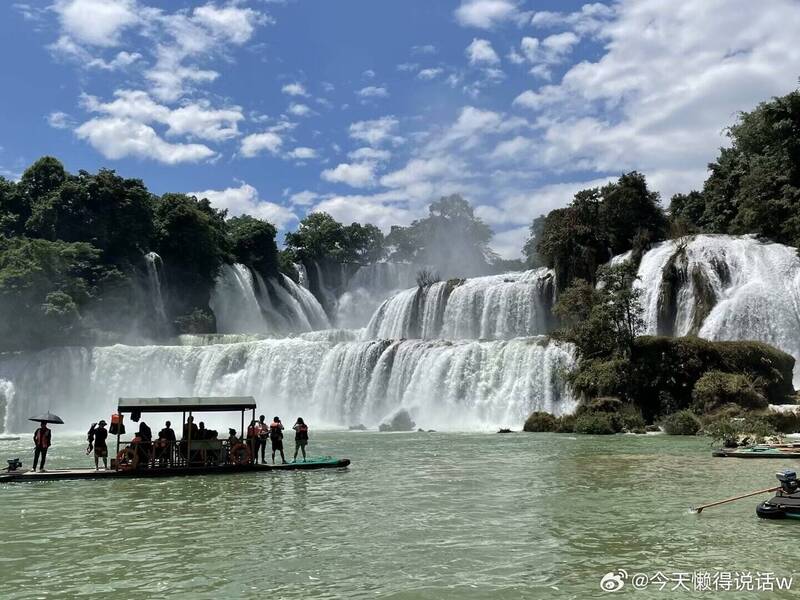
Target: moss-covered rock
x: 683, y: 422
x: 596, y: 423
x: 540, y: 421
x: 401, y: 421
x: 566, y: 424
x: 716, y: 389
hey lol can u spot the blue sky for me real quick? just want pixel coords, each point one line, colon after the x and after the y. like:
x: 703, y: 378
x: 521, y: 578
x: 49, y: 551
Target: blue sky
x: 371, y: 109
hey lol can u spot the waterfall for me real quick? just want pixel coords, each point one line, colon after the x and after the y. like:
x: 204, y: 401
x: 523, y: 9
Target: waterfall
x: 234, y: 302
x: 311, y: 308
x: 723, y: 287
x: 302, y: 275
x: 369, y: 287
x: 6, y: 403
x: 155, y: 267
x: 492, y: 307
x: 455, y: 385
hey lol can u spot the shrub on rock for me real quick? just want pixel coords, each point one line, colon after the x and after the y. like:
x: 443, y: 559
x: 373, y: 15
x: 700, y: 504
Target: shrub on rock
x: 540, y: 421
x: 683, y: 422
x: 596, y: 423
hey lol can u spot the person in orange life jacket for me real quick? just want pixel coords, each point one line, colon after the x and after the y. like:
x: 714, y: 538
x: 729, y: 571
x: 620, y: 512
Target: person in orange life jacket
x: 253, y: 431
x: 276, y: 436
x: 100, y: 446
x: 41, y: 440
x: 300, y: 438
x: 261, y: 441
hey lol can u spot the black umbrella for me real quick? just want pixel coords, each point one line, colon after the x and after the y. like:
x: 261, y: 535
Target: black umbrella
x: 47, y: 417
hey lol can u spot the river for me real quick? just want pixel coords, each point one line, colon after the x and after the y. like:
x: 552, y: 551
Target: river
x: 438, y: 515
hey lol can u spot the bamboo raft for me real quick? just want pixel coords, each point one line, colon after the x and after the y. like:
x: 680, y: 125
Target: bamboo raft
x: 28, y: 476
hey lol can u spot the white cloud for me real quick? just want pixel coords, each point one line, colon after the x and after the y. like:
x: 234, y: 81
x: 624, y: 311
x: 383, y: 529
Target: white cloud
x: 255, y: 143
x: 294, y: 89
x: 407, y: 67
x: 244, y: 200
x: 299, y: 110
x: 428, y: 74
x: 59, y: 120
x: 303, y: 153
x: 376, y: 131
x: 480, y: 52
x: 96, y: 22
x: 372, y: 91
x: 229, y: 22
x: 588, y: 20
x: 370, y: 154
x: 304, y: 198
x: 423, y: 49
x: 542, y: 54
x: 353, y: 174
x: 116, y: 138
x: 508, y: 244
x: 485, y: 14
x: 378, y: 209
x: 122, y: 60
x: 368, y: 74
x: 196, y: 120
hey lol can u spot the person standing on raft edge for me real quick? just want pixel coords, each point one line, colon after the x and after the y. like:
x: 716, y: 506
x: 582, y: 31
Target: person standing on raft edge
x: 41, y: 439
x: 261, y: 442
x: 300, y: 438
x: 100, y: 447
x: 276, y: 436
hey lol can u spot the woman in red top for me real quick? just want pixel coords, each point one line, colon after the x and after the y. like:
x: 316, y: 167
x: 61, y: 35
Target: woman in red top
x: 41, y: 439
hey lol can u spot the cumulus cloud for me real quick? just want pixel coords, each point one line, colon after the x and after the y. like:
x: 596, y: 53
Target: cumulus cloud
x: 116, y: 138
x: 370, y: 154
x: 372, y: 91
x: 245, y: 200
x: 353, y: 174
x: 294, y: 89
x: 382, y: 210
x: 376, y: 131
x: 96, y: 22
x: 480, y: 52
x: 122, y: 60
x: 428, y: 74
x: 59, y: 120
x: 304, y: 198
x: 299, y: 110
x: 255, y: 143
x: 302, y: 153
x: 485, y: 14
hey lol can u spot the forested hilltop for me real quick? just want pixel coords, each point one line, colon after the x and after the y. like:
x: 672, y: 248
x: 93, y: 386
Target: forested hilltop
x: 73, y: 247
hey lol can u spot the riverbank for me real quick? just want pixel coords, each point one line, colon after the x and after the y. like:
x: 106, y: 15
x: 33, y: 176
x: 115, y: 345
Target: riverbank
x: 436, y: 516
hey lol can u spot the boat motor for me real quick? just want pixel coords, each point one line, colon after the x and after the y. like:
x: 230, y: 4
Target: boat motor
x: 788, y: 479
x: 13, y: 464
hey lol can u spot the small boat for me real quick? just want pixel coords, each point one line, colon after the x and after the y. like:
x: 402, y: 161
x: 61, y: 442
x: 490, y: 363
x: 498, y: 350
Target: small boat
x: 786, y: 503
x: 760, y: 451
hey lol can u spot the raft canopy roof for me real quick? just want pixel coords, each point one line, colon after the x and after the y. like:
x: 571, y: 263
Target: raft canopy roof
x: 187, y: 404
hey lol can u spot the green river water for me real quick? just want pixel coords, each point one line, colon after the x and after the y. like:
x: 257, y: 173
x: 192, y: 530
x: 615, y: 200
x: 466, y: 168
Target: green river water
x: 438, y: 515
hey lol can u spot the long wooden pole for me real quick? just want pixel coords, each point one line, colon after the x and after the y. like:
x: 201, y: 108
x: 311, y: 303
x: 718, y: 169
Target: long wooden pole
x: 698, y: 509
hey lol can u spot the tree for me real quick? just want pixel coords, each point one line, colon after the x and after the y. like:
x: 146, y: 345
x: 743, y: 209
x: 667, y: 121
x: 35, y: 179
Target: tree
x: 602, y: 321
x: 252, y: 242
x: 191, y: 238
x: 533, y: 259
x: 450, y: 238
x: 364, y: 244
x: 318, y: 236
x: 598, y: 223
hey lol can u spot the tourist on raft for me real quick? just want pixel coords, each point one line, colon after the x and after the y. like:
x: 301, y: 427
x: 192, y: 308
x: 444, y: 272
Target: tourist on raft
x: 253, y: 434
x: 300, y: 438
x: 276, y: 437
x: 41, y: 440
x: 166, y: 441
x: 100, y: 446
x: 263, y: 436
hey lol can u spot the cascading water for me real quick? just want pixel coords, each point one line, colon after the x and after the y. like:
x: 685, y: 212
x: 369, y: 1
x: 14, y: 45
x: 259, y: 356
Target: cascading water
x: 155, y: 267
x: 235, y: 304
x: 311, y: 308
x: 723, y: 288
x: 466, y: 384
x: 302, y: 275
x: 6, y: 404
x: 369, y: 287
x: 492, y: 307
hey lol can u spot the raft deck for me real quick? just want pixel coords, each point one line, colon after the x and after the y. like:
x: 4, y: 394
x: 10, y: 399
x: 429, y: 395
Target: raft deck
x: 30, y: 475
x: 757, y: 452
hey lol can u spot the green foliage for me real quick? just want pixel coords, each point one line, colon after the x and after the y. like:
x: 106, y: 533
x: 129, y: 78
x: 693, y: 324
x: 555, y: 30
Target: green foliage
x: 754, y: 186
x: 604, y: 321
x: 716, y: 389
x: 733, y: 431
x: 191, y: 236
x: 540, y: 421
x: 683, y: 422
x: 197, y: 321
x: 252, y: 242
x: 598, y: 224
x: 42, y: 284
x: 596, y: 423
x: 320, y: 237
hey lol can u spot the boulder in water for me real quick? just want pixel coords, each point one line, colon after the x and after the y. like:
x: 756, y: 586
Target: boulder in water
x: 359, y: 427
x: 401, y: 421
